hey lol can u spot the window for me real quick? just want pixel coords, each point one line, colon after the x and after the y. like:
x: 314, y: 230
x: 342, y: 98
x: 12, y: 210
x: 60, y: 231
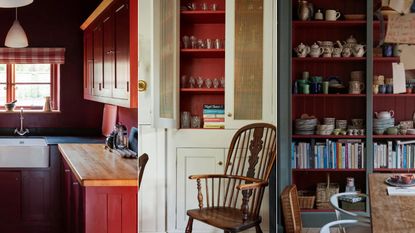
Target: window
x: 28, y: 75
x: 29, y: 84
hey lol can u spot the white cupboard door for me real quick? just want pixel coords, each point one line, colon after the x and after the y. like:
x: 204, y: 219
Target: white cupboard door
x: 249, y: 78
x: 160, y: 69
x: 194, y: 161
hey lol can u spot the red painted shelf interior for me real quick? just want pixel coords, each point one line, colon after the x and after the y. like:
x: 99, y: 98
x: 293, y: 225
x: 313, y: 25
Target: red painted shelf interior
x: 203, y: 90
x: 328, y: 59
x: 199, y: 16
x: 297, y: 136
x: 205, y: 63
x: 386, y: 59
x: 330, y: 95
x: 394, y: 95
x: 322, y: 23
x: 213, y: 53
x: 407, y: 136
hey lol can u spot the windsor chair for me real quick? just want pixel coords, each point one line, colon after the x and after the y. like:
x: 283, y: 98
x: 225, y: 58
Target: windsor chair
x: 142, y: 161
x: 232, y: 201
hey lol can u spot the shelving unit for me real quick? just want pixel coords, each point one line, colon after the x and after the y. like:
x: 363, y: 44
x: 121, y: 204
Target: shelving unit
x: 339, y: 105
x: 202, y: 62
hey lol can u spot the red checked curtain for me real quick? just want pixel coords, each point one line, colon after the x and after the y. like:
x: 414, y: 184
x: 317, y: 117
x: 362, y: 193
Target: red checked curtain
x: 32, y: 55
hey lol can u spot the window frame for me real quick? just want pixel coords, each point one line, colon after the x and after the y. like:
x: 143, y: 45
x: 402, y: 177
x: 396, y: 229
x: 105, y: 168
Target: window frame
x: 54, y: 86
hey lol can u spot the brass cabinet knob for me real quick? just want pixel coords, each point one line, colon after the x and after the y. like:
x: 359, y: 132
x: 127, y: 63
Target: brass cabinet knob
x: 142, y: 85
x: 229, y: 114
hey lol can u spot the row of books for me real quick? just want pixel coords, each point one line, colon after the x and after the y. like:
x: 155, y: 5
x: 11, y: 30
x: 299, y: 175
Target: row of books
x: 393, y: 155
x: 344, y: 153
x: 213, y: 116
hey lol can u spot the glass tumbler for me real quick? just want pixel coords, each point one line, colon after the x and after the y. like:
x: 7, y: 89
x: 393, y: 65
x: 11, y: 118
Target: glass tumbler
x: 185, y: 119
x: 208, y: 83
x: 195, y: 122
x: 215, y: 83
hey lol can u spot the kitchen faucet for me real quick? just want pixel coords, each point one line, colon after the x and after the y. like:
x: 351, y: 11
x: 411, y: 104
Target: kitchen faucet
x: 21, y: 132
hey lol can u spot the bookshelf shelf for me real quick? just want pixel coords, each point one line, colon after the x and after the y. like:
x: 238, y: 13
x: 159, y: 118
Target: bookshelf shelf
x: 329, y: 170
x: 297, y: 136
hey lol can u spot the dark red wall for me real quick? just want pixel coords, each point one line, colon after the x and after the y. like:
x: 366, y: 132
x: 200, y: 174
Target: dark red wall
x: 51, y: 23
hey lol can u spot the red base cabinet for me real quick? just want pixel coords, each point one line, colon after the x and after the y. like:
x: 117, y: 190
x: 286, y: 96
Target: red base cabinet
x: 93, y: 209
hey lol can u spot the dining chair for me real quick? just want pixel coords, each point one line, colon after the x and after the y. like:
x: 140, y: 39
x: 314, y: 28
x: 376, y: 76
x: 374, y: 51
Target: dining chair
x: 291, y: 210
x: 231, y: 201
x: 142, y: 161
x: 347, y: 226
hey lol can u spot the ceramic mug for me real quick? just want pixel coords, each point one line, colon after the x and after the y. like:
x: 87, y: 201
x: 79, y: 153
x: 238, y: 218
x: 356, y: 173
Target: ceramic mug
x: 332, y: 15
x: 356, y: 87
x: 375, y: 89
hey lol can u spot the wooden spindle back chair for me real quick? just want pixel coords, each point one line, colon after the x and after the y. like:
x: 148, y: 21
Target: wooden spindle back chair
x: 232, y: 201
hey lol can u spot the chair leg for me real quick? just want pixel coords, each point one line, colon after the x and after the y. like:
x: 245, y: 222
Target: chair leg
x: 189, y: 225
x: 258, y: 228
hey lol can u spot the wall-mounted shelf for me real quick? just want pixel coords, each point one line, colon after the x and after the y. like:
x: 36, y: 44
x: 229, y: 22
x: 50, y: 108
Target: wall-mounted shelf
x: 202, y: 90
x: 329, y: 59
x: 200, y: 16
x: 331, y: 95
x: 203, y: 53
x: 296, y: 136
x: 339, y: 23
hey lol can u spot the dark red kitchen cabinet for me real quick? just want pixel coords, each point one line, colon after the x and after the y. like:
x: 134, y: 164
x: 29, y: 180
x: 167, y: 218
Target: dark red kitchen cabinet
x: 36, y: 195
x: 66, y: 178
x: 10, y: 194
x: 76, y: 206
x: 98, y: 60
x: 108, y: 55
x: 122, y: 54
x: 88, y: 62
x: 114, y: 72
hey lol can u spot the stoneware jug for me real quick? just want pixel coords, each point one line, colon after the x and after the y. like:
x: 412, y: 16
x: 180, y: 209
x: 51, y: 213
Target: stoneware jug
x: 359, y: 50
x: 347, y: 52
x: 385, y: 114
x: 304, y: 11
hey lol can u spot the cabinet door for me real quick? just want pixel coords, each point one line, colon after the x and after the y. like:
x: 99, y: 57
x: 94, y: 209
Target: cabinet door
x: 108, y: 56
x: 193, y: 161
x: 88, y: 62
x: 36, y: 195
x: 121, y: 88
x: 67, y: 195
x: 249, y: 78
x: 75, y: 206
x: 159, y: 67
x: 98, y: 61
x: 10, y: 194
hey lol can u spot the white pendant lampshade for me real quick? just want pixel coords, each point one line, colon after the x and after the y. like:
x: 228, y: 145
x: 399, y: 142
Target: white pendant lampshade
x: 16, y: 37
x: 14, y: 3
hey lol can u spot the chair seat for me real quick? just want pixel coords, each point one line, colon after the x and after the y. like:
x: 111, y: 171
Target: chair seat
x: 226, y: 218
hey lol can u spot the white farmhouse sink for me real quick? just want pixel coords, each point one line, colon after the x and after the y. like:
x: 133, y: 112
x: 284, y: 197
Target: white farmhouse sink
x: 24, y: 152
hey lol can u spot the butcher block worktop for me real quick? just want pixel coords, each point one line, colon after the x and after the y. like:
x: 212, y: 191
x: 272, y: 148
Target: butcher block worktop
x: 95, y: 166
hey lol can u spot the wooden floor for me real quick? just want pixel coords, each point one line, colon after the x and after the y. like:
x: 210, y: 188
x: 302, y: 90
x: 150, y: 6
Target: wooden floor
x: 317, y: 230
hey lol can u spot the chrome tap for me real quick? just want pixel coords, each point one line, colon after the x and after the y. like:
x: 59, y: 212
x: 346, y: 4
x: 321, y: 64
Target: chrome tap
x: 21, y: 132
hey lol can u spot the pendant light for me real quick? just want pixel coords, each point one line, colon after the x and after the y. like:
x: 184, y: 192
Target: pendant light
x: 14, y: 3
x: 16, y: 37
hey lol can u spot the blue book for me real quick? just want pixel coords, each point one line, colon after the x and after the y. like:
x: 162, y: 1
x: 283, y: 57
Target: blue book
x: 213, y: 111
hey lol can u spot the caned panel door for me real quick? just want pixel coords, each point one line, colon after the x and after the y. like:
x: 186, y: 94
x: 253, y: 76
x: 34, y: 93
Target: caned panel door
x: 249, y: 71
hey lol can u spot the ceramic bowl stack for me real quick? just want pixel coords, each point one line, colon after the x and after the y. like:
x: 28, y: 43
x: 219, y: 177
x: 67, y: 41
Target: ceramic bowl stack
x: 324, y: 129
x: 305, y: 126
x: 380, y: 125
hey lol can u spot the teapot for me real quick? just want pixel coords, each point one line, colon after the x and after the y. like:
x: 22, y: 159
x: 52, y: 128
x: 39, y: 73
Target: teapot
x: 337, y: 52
x: 302, y: 50
x: 315, y: 50
x: 359, y: 50
x: 347, y: 52
x: 350, y: 42
x: 385, y: 114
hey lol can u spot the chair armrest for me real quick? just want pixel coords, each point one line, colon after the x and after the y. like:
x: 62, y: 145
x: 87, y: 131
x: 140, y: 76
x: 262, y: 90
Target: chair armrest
x: 208, y: 176
x: 326, y: 228
x: 252, y: 185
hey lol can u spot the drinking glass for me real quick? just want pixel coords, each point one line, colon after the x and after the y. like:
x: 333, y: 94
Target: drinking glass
x: 208, y: 43
x: 193, y: 42
x: 183, y: 81
x: 222, y: 82
x: 215, y: 83
x: 186, y: 42
x: 185, y: 119
x: 204, y: 6
x: 214, y: 7
x: 208, y: 83
x: 192, y: 82
x: 218, y: 44
x: 199, y: 82
x: 195, y: 122
x: 201, y: 44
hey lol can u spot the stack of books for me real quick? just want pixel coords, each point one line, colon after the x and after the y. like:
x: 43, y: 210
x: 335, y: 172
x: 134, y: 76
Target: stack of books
x: 393, y: 155
x: 213, y: 116
x: 343, y: 153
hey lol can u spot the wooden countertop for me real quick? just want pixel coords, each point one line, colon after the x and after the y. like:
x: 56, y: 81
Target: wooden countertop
x: 95, y: 166
x: 389, y: 214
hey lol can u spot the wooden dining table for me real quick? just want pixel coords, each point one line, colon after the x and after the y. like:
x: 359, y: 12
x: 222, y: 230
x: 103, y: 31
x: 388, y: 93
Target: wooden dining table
x: 389, y: 214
